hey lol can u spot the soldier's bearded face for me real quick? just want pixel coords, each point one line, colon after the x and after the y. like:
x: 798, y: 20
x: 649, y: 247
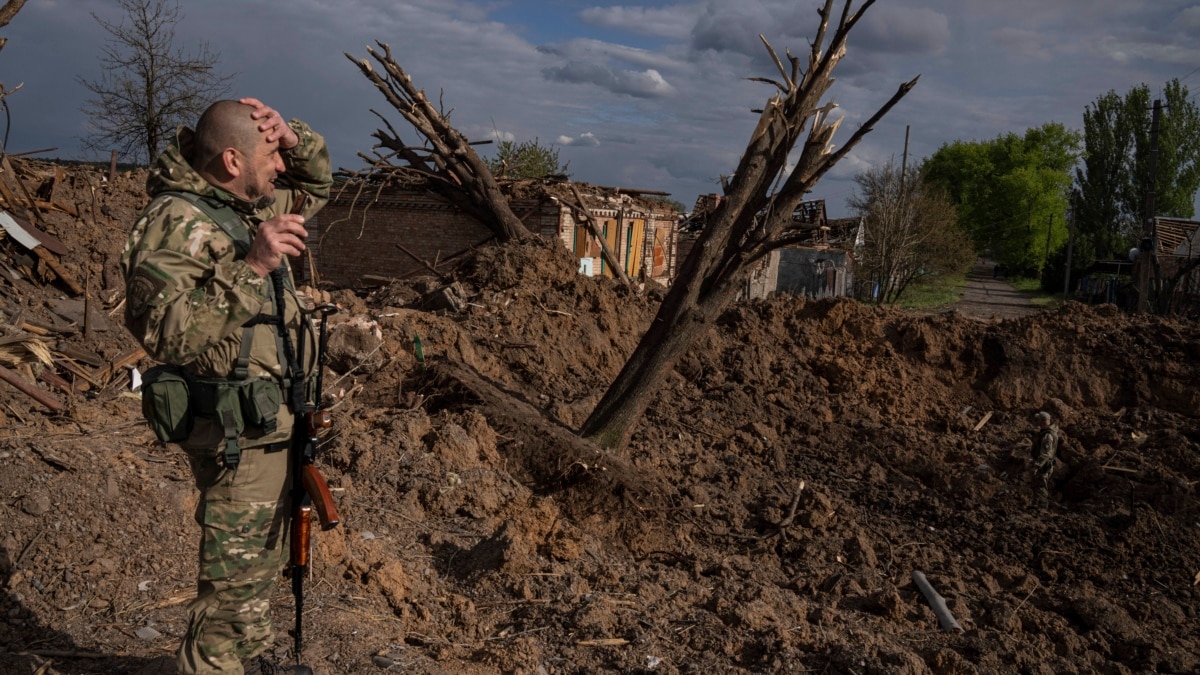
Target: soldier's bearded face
x: 261, y: 169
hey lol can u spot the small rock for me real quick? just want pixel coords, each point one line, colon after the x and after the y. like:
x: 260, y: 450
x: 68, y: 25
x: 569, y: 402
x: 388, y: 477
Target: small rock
x: 382, y: 661
x: 35, y: 505
x: 368, y: 535
x: 147, y: 633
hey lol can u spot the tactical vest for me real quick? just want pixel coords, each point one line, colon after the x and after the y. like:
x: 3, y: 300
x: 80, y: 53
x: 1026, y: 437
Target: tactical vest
x: 239, y: 400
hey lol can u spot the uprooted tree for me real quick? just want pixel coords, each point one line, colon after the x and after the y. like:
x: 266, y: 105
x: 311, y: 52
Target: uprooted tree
x: 752, y: 220
x: 755, y: 217
x: 446, y: 159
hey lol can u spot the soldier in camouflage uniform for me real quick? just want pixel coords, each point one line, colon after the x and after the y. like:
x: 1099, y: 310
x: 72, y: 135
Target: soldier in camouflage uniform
x: 190, y: 293
x: 1043, y: 453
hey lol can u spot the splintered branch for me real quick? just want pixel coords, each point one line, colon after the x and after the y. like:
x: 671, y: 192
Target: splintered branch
x: 462, y: 176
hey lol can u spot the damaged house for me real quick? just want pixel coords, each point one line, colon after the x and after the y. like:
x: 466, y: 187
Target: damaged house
x: 1177, y: 261
x: 371, y: 233
x: 821, y: 266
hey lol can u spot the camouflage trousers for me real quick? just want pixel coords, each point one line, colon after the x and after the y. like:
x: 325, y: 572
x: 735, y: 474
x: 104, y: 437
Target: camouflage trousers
x: 1041, y: 478
x: 243, y: 518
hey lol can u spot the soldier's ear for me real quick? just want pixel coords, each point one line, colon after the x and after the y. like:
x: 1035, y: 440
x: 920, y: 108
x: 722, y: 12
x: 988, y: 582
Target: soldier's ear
x: 233, y: 162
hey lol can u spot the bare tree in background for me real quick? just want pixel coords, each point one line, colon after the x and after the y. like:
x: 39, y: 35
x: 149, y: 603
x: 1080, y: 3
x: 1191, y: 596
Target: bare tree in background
x: 912, y: 230
x: 148, y: 86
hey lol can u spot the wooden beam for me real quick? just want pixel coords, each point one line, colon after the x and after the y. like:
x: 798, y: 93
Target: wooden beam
x: 595, y: 229
x: 55, y: 266
x: 30, y: 390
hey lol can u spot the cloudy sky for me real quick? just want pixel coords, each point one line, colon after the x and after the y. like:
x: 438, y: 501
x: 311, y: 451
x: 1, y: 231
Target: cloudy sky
x: 650, y: 95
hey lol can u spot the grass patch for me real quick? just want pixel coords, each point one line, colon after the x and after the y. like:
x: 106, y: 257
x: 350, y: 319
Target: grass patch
x: 1033, y: 288
x: 933, y: 292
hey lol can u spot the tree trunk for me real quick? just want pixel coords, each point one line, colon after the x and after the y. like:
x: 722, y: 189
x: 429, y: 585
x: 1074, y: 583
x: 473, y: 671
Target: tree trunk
x: 686, y: 311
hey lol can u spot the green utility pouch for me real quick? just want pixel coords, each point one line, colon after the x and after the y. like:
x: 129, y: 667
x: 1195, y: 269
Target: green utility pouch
x: 260, y: 403
x: 165, y: 403
x: 236, y: 405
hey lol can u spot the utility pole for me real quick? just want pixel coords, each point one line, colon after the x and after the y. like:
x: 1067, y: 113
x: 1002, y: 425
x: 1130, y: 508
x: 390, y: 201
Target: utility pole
x: 1070, y: 250
x: 1049, y: 229
x: 1148, y: 246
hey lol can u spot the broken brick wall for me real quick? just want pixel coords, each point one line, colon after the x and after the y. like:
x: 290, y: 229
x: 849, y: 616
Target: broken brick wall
x: 359, y: 236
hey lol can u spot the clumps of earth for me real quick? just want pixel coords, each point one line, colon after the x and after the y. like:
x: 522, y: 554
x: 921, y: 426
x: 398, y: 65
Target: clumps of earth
x: 800, y: 463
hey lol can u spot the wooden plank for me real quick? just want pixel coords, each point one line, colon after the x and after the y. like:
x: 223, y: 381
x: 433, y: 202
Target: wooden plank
x: 123, y: 361
x: 31, y: 237
x: 8, y: 169
x: 30, y: 390
x: 983, y: 421
x: 51, y: 378
x: 65, y: 208
x: 80, y: 354
x: 56, y: 267
x: 78, y: 370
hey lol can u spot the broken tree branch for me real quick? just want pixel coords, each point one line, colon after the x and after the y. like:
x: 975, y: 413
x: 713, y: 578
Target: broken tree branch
x: 466, y: 177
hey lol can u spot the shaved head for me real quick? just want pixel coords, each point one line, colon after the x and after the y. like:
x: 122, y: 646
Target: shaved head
x: 226, y: 124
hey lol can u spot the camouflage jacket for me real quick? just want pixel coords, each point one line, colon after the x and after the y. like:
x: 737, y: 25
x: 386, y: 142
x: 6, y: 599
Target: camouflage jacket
x: 1045, y: 446
x: 189, y: 291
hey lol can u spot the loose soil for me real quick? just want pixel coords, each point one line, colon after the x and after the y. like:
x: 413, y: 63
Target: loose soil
x: 799, y: 465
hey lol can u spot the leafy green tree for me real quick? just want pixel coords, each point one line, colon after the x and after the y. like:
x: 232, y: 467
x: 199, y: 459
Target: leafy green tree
x: 527, y: 159
x: 148, y: 85
x: 1104, y: 175
x: 1111, y: 185
x: 1178, y: 163
x: 912, y: 230
x: 1011, y: 192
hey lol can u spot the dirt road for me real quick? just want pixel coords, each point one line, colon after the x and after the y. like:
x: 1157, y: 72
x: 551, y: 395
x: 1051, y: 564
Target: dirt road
x: 992, y: 298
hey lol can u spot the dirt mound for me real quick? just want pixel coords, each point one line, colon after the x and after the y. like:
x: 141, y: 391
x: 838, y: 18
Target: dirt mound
x: 804, y: 459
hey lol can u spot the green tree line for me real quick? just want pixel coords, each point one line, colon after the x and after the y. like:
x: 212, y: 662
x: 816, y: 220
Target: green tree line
x: 1022, y: 199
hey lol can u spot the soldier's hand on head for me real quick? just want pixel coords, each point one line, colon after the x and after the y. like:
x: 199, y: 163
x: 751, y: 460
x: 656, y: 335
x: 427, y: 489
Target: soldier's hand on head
x: 282, y: 235
x: 270, y: 121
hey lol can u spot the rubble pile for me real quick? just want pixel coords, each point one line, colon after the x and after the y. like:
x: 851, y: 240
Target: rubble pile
x: 804, y: 462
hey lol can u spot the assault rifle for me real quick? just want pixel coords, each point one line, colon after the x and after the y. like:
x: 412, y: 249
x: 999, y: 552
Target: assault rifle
x: 309, y: 491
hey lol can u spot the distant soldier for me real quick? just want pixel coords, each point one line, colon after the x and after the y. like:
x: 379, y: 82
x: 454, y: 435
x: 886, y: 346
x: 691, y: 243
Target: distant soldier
x: 1044, y: 453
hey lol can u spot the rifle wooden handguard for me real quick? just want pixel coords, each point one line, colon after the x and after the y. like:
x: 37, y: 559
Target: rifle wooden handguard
x: 301, y: 528
x: 322, y: 500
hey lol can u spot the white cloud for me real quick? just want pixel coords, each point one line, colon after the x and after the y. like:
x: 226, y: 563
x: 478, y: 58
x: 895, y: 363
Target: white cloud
x: 597, y: 50
x: 645, y: 84
x: 1189, y: 19
x: 501, y: 136
x: 586, y: 139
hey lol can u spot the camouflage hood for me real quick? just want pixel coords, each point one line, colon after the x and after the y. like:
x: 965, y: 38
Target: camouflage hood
x: 173, y: 172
